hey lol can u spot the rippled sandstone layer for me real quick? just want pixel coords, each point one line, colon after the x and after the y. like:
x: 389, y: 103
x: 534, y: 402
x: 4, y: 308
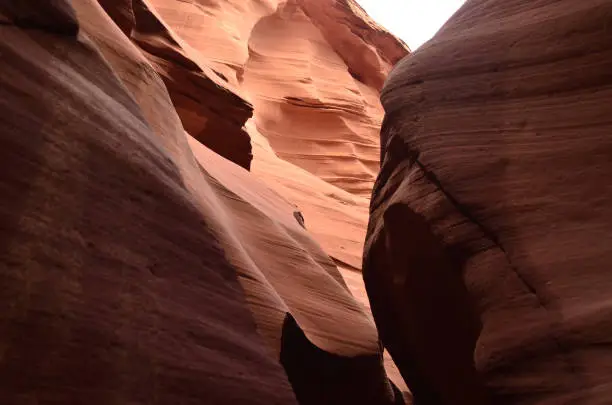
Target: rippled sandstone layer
x: 140, y: 266
x: 488, y: 250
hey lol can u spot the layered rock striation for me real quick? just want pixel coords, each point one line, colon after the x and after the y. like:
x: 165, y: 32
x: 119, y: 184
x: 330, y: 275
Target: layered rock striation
x: 489, y: 244
x: 311, y: 69
x: 139, y: 262
x: 312, y: 72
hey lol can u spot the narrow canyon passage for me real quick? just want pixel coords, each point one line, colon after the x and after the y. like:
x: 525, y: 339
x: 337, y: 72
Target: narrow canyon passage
x: 277, y: 202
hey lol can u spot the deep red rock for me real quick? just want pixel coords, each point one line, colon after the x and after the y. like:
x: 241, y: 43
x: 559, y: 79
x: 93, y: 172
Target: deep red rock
x: 112, y: 276
x: 489, y: 244
x: 312, y: 71
x: 139, y: 266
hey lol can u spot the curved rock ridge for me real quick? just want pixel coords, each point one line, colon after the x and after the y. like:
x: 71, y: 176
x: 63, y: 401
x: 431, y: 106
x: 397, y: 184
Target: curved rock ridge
x: 334, y: 217
x: 139, y: 266
x: 315, y: 124
x: 488, y: 249
x: 210, y: 109
x: 311, y: 69
x: 367, y: 49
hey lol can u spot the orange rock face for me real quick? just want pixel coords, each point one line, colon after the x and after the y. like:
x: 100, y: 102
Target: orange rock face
x: 312, y: 72
x: 138, y: 265
x: 311, y: 69
x: 488, y: 250
x: 209, y: 108
x: 322, y: 154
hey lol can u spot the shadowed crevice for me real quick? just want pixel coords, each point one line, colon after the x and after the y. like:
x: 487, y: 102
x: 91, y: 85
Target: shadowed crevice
x: 322, y: 378
x: 423, y: 311
x: 53, y: 16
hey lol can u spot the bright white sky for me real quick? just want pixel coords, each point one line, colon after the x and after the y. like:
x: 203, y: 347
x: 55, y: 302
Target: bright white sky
x: 414, y: 21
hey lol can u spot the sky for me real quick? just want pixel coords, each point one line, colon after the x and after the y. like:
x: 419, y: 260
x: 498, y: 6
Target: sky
x: 414, y: 21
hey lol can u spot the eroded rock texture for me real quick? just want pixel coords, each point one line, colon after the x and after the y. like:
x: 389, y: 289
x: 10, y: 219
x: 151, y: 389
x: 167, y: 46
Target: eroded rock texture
x: 139, y: 266
x: 209, y: 108
x: 312, y: 70
x: 489, y: 244
x: 230, y: 56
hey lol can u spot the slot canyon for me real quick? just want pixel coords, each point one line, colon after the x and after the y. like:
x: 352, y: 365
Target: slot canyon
x: 278, y: 202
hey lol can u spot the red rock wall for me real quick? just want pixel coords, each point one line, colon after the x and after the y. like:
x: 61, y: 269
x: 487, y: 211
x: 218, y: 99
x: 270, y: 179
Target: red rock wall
x: 139, y: 266
x: 112, y: 274
x: 311, y: 69
x: 210, y: 109
x: 488, y: 250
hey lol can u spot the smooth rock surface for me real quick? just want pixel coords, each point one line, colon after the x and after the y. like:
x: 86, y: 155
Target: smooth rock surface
x: 112, y: 273
x: 210, y: 109
x: 490, y: 237
x: 139, y: 266
x: 311, y: 69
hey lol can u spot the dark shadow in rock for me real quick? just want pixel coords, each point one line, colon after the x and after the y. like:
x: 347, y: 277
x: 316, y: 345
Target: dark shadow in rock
x: 423, y: 311
x: 300, y: 218
x: 54, y: 16
x: 322, y: 378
